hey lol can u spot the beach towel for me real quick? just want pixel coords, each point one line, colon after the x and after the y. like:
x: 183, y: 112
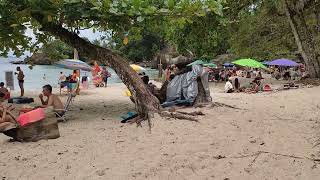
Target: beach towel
x: 20, y: 100
x: 128, y: 116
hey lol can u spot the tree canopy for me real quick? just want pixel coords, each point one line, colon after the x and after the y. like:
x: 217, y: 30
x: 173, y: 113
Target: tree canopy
x: 119, y: 17
x: 259, y: 29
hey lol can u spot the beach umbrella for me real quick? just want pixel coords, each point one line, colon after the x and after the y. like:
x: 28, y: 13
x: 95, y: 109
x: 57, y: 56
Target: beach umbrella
x: 211, y: 65
x: 73, y: 64
x: 249, y: 63
x: 197, y: 62
x: 283, y: 62
x: 266, y: 62
x: 228, y: 65
x: 137, y: 68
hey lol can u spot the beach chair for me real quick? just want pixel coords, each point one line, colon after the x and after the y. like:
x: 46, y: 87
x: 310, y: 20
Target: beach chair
x: 61, y: 113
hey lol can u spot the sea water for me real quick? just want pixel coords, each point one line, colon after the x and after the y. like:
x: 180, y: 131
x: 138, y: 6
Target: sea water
x: 41, y: 75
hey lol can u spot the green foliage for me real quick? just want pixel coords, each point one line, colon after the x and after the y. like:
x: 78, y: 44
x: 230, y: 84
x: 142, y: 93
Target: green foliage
x: 204, y: 36
x: 57, y: 50
x: 107, y: 15
x: 141, y: 50
x: 262, y: 33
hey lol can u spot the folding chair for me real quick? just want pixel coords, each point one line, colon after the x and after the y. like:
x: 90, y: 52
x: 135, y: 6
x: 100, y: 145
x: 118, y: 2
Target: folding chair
x: 61, y: 113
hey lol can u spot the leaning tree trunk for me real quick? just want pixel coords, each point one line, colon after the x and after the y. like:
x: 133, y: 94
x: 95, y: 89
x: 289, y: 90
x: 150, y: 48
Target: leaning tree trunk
x: 145, y: 102
x: 201, y: 97
x: 304, y: 39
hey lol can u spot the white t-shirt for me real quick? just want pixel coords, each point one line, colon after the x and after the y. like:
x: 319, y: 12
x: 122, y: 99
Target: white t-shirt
x: 228, y: 86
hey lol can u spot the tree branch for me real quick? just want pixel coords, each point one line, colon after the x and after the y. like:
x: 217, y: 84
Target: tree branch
x: 147, y: 102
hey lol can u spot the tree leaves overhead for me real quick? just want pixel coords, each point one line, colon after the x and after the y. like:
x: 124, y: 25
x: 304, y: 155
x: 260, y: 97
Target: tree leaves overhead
x: 106, y: 15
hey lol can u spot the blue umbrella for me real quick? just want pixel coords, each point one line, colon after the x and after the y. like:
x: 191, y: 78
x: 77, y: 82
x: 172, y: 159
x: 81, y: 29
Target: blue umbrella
x: 73, y: 64
x: 228, y: 65
x: 283, y: 62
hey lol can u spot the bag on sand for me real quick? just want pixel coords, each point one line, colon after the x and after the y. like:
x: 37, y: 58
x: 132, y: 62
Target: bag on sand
x: 45, y: 129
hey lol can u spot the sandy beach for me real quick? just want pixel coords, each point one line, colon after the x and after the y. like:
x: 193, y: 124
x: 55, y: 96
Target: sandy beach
x: 271, y: 135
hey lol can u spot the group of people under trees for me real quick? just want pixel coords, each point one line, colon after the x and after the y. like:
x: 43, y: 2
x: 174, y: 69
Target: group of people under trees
x: 253, y: 87
x: 225, y: 74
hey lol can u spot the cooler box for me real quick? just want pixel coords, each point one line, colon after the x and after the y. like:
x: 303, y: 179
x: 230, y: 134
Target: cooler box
x: 31, y: 116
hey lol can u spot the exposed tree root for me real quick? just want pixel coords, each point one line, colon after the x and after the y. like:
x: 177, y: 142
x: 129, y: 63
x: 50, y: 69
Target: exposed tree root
x: 217, y: 104
x: 175, y: 113
x: 195, y: 113
x: 178, y: 115
x: 137, y: 120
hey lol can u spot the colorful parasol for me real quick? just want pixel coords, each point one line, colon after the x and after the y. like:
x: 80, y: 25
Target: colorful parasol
x: 249, y: 63
x: 137, y: 68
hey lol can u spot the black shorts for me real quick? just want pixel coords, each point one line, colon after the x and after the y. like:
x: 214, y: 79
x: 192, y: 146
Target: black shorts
x: 21, y: 83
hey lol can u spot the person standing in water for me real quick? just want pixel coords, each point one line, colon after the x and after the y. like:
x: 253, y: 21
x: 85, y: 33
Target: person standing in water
x: 20, y: 77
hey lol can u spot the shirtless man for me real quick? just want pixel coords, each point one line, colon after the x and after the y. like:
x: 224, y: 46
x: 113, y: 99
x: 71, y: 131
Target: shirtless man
x: 20, y: 78
x: 52, y: 100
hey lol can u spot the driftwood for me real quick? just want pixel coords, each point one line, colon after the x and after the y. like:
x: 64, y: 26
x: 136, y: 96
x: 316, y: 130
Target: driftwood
x: 178, y: 115
x: 195, y: 113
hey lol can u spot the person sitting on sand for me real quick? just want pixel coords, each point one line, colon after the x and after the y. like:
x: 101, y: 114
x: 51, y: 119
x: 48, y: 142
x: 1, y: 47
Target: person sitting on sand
x: 4, y: 91
x: 255, y: 87
x: 228, y: 88
x: 52, y: 99
x: 6, y: 118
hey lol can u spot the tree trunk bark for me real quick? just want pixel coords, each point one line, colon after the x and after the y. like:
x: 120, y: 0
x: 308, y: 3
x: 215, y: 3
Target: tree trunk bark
x: 145, y: 102
x: 304, y: 40
x: 201, y: 97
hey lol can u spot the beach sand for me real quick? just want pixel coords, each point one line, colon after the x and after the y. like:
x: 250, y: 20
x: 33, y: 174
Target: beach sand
x: 271, y: 136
